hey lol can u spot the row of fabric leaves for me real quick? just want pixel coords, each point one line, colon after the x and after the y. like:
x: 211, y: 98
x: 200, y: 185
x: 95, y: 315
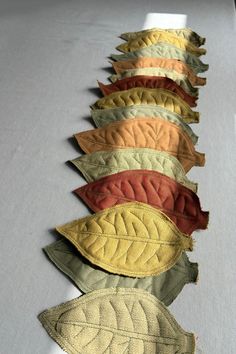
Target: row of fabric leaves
x: 129, y: 256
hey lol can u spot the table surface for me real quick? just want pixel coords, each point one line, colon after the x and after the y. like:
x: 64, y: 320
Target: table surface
x: 51, y: 54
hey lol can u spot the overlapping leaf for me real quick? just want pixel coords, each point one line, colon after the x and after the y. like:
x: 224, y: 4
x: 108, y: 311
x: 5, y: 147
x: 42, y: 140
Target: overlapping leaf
x: 165, y: 50
x: 165, y: 63
x: 143, y: 133
x: 131, y: 239
x: 115, y: 321
x: 154, y: 37
x: 103, y: 163
x: 148, y: 82
x: 101, y: 122
x: 143, y: 110
x: 142, y: 95
x: 87, y: 277
x: 180, y: 79
x: 185, y: 33
x: 178, y: 202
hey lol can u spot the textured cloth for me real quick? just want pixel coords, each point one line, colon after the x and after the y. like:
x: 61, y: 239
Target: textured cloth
x: 164, y: 50
x: 170, y: 64
x: 148, y: 81
x: 178, y: 202
x: 131, y: 239
x: 116, y: 321
x: 180, y: 79
x: 154, y: 37
x: 186, y: 33
x: 103, y: 163
x: 141, y: 95
x: 143, y: 133
x: 88, y: 277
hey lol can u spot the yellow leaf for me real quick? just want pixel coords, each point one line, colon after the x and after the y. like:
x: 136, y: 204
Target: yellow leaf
x: 132, y: 239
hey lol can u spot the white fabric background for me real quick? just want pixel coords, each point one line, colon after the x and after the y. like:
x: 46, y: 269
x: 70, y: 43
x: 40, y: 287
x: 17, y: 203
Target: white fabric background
x: 51, y: 53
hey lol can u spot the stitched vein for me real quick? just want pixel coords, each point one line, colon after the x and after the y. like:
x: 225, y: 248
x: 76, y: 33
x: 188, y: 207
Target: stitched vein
x: 97, y: 334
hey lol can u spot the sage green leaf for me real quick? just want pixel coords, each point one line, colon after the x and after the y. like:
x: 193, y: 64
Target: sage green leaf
x: 155, y: 37
x: 154, y: 96
x: 181, y: 79
x: 165, y: 50
x: 103, y: 117
x: 88, y: 277
x: 103, y: 163
x: 134, y: 111
x: 116, y: 321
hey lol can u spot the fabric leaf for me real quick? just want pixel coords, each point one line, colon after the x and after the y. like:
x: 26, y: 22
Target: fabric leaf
x: 148, y: 82
x: 88, y: 277
x: 131, y: 239
x: 116, y: 321
x: 180, y: 79
x: 141, y: 95
x: 143, y: 133
x: 178, y: 202
x: 165, y: 63
x: 185, y: 33
x: 135, y: 111
x: 101, y: 121
x: 103, y: 163
x: 165, y: 50
x: 144, y: 40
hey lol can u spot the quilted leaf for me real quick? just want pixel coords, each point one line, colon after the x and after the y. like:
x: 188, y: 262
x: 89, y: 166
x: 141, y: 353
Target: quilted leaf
x: 134, y: 111
x: 165, y: 63
x: 87, y: 277
x: 171, y: 118
x: 103, y: 163
x: 154, y: 37
x: 165, y: 50
x: 179, y: 203
x: 116, y: 321
x: 155, y: 134
x: 131, y: 239
x: 180, y: 79
x: 186, y: 33
x: 148, y: 82
x: 141, y: 95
